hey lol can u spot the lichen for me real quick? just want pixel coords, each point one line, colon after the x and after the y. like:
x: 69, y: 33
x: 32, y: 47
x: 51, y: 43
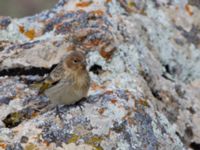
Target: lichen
x: 73, y: 139
x: 31, y: 146
x: 13, y: 119
x: 126, y: 108
x: 95, y: 142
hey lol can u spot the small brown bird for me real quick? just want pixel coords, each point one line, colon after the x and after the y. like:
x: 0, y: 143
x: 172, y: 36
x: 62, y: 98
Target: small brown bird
x: 69, y: 82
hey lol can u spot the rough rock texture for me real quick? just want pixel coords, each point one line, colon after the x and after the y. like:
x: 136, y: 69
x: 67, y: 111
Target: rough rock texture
x: 143, y: 57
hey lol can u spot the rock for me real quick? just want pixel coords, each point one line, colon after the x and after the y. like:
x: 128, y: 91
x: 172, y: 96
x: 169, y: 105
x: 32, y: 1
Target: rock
x: 143, y: 58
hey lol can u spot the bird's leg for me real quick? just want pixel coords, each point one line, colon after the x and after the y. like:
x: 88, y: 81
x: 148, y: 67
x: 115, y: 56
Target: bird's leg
x: 80, y: 103
x: 58, y: 113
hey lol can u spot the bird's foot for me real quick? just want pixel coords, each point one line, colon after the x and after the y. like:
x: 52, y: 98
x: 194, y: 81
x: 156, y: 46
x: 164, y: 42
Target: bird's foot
x: 77, y: 104
x: 58, y: 113
x: 80, y: 103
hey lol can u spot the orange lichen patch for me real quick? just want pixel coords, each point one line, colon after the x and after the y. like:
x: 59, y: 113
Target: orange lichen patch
x: 58, y: 26
x: 101, y: 111
x: 109, y: 92
x: 108, y: 1
x: 143, y: 102
x: 95, y: 86
x: 113, y: 101
x: 46, y: 143
x: 92, y: 43
x: 188, y: 9
x: 106, y: 54
x: 21, y: 29
x: 34, y: 114
x: 3, y: 145
x: 84, y: 4
x: 97, y: 12
x: 31, y: 34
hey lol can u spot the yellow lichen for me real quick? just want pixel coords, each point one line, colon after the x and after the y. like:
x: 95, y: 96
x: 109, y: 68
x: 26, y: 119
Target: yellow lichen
x: 143, y: 102
x: 31, y: 34
x: 73, y: 139
x: 31, y: 146
x: 13, y: 119
x: 95, y: 142
x: 131, y: 4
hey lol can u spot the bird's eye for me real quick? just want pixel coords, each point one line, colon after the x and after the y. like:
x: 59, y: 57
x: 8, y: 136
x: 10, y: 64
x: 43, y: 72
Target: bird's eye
x: 75, y: 61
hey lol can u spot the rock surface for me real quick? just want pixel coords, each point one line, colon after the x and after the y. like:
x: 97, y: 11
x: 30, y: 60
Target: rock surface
x: 143, y: 58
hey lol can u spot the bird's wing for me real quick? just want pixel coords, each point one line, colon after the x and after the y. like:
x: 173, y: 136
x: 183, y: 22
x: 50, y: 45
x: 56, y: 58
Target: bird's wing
x: 54, y: 77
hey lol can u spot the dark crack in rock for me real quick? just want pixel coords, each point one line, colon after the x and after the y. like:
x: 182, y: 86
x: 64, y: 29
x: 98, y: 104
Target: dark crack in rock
x: 26, y: 71
x: 96, y: 69
x: 195, y: 146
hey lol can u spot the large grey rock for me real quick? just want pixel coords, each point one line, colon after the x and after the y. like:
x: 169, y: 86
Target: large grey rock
x: 143, y: 58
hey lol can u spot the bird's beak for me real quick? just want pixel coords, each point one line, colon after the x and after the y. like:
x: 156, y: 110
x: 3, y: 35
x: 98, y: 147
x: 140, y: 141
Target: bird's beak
x: 84, y: 64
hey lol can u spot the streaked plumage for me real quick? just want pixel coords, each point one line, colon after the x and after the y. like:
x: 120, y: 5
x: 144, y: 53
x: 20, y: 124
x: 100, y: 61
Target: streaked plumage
x: 69, y: 81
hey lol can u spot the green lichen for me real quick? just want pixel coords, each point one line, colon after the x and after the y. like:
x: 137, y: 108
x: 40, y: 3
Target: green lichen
x: 144, y: 103
x: 74, y: 138
x: 2, y: 140
x: 13, y: 119
x: 31, y: 146
x: 95, y: 142
x: 132, y: 4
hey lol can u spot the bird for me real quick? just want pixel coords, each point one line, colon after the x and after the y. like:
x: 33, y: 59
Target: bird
x: 69, y: 81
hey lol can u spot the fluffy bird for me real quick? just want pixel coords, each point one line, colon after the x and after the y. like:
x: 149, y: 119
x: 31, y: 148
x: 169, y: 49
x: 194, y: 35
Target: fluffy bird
x: 69, y: 82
